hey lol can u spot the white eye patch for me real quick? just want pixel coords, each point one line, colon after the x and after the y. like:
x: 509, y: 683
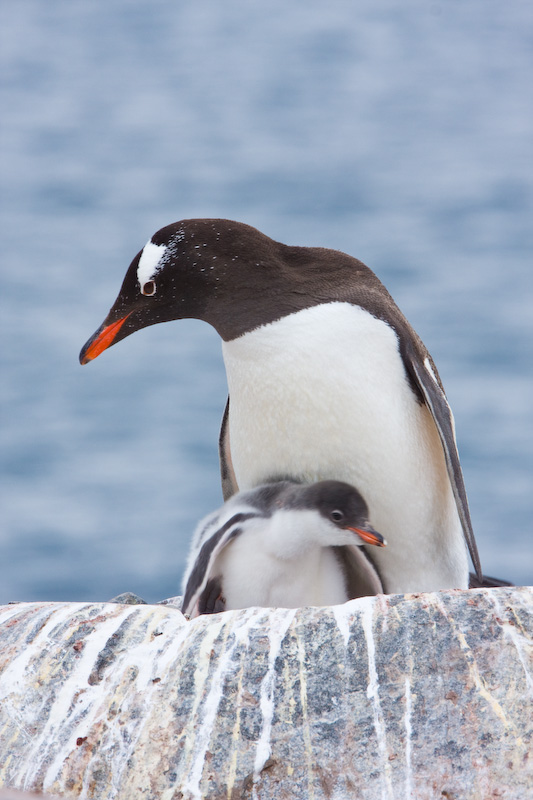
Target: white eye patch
x: 149, y: 264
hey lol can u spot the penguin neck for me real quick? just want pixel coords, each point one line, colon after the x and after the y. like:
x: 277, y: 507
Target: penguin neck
x: 294, y: 536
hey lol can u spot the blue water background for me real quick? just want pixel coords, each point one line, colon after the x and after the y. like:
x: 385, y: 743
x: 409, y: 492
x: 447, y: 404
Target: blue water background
x: 401, y: 133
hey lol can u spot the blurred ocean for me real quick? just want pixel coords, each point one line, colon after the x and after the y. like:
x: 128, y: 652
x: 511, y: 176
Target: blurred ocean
x: 401, y: 133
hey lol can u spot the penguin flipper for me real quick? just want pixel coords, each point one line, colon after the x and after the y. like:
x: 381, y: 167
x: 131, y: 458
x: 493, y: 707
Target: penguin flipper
x: 199, y: 580
x: 425, y: 375
x: 227, y: 474
x: 215, y: 538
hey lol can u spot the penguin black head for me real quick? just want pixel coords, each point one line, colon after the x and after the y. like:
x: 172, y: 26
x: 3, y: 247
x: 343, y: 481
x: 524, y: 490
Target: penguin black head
x: 170, y: 278
x: 226, y: 273
x: 339, y: 503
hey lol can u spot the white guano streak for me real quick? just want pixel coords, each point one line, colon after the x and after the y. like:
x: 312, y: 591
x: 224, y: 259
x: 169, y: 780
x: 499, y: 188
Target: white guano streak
x: 343, y: 615
x: 372, y: 693
x: 240, y: 630
x: 15, y: 673
x: 173, y: 632
x: 280, y: 620
x: 197, y: 742
x: 89, y: 703
x: 75, y: 709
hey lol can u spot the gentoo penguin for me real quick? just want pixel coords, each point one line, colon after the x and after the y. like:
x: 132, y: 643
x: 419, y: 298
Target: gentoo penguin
x: 327, y: 380
x: 277, y: 545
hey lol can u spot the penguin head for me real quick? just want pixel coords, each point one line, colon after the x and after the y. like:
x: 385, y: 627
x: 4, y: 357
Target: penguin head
x: 170, y: 278
x: 342, y: 510
x: 226, y: 273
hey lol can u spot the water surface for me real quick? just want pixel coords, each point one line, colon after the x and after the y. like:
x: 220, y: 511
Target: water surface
x: 400, y: 133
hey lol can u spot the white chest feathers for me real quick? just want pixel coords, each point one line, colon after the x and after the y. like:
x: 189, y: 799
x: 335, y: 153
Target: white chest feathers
x: 322, y: 394
x: 281, y: 566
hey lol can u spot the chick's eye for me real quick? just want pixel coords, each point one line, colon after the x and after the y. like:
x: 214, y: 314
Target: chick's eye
x: 148, y: 288
x: 337, y: 516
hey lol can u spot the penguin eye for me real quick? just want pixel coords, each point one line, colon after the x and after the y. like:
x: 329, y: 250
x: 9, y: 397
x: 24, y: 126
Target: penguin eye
x: 148, y: 288
x: 337, y: 516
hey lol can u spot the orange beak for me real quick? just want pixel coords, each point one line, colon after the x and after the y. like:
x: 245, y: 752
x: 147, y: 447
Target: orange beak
x: 102, y: 340
x: 370, y: 536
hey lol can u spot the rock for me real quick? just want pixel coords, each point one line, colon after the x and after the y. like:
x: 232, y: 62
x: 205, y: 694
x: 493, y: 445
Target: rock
x: 14, y: 794
x: 128, y: 599
x: 415, y: 696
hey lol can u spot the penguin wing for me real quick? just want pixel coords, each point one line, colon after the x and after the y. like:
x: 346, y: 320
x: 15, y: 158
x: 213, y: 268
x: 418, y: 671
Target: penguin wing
x: 227, y: 473
x: 426, y: 378
x: 199, y: 579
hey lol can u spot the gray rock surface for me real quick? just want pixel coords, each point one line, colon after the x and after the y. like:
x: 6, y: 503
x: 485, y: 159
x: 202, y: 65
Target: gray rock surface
x: 387, y: 697
x: 14, y: 794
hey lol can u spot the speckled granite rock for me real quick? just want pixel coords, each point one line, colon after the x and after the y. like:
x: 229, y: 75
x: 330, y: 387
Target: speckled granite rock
x: 416, y: 696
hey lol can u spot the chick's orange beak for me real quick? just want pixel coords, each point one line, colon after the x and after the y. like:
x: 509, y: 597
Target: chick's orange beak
x: 370, y: 536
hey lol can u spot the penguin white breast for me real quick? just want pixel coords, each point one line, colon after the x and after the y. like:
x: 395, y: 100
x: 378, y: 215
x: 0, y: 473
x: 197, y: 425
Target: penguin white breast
x: 323, y: 393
